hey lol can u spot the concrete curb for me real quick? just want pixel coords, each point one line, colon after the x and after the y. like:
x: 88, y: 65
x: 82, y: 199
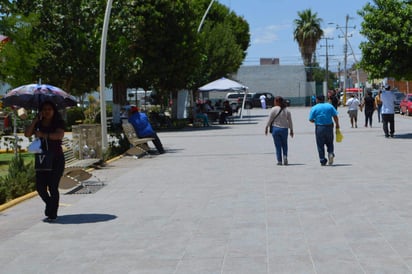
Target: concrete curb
x: 17, y: 200
x: 34, y: 193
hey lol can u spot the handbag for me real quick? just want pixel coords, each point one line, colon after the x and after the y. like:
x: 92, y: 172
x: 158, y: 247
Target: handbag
x: 35, y: 146
x: 44, y: 161
x: 271, y: 127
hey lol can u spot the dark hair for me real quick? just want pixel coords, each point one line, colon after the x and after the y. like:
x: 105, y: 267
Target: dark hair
x: 321, y: 98
x: 56, y: 114
x: 282, y: 102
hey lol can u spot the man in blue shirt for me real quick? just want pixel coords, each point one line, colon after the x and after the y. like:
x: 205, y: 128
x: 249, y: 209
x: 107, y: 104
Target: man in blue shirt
x: 143, y: 127
x: 323, y: 114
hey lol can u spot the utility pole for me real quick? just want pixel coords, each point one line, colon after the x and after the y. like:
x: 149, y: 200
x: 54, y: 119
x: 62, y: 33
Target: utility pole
x: 327, y: 58
x: 345, y: 51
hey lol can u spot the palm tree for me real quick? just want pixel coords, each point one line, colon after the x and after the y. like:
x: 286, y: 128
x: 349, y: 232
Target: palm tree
x: 307, y: 33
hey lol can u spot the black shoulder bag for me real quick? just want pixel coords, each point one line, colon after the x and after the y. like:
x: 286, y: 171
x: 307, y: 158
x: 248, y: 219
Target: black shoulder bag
x: 44, y: 161
x: 271, y: 127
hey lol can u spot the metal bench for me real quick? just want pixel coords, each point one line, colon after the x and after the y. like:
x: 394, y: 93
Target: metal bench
x: 139, y: 146
x: 75, y: 172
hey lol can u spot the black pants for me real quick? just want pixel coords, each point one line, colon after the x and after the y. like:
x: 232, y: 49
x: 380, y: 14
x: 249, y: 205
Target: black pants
x: 388, y: 119
x: 368, y: 117
x: 157, y: 143
x: 47, y: 185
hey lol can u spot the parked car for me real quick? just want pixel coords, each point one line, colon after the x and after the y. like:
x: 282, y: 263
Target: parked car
x: 235, y: 97
x: 405, y: 106
x: 254, y: 100
x: 399, y: 97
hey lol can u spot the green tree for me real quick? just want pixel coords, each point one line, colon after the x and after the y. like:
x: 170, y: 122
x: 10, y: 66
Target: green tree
x: 22, y: 53
x: 319, y: 76
x: 224, y: 39
x: 307, y: 33
x: 71, y: 49
x: 387, y: 27
x: 166, y: 41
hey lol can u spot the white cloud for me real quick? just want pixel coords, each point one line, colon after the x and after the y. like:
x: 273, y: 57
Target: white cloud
x: 268, y: 34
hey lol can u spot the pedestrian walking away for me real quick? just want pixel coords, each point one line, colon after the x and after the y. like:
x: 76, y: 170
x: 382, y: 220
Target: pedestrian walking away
x: 49, y: 126
x: 280, y: 121
x: 369, y: 107
x: 378, y: 103
x: 388, y: 111
x: 333, y: 98
x: 353, y: 104
x: 323, y: 115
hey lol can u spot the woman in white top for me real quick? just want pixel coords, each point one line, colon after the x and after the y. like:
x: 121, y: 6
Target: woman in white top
x: 353, y: 104
x: 280, y: 121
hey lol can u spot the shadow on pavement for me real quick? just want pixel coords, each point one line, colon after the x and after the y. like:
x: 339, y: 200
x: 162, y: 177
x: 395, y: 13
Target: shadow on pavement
x: 403, y: 136
x: 84, y: 218
x: 338, y: 165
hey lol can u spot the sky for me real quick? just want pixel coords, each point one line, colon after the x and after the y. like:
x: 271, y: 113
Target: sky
x: 271, y: 28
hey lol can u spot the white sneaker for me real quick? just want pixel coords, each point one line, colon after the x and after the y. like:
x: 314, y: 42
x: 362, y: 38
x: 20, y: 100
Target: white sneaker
x: 330, y: 158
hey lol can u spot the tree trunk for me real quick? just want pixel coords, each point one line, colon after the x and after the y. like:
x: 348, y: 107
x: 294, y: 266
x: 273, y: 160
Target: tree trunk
x: 119, y: 93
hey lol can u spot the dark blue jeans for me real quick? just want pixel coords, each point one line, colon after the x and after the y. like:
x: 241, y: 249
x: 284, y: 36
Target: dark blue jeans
x: 324, y: 137
x: 280, y: 138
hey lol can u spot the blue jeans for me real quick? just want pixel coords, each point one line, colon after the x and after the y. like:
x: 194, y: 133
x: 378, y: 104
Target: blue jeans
x: 280, y: 138
x: 324, y: 137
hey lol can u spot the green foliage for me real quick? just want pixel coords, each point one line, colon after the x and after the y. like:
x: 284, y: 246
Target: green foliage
x: 387, y: 51
x: 20, y: 179
x: 319, y: 76
x: 151, y: 44
x: 75, y: 116
x: 92, y: 110
x: 21, y: 55
x: 223, y: 41
x: 118, y: 146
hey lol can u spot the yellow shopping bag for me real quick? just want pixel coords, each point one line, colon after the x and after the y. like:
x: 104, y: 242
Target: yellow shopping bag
x: 339, y: 136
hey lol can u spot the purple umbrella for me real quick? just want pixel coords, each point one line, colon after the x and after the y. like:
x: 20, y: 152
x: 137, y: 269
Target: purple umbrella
x: 31, y: 96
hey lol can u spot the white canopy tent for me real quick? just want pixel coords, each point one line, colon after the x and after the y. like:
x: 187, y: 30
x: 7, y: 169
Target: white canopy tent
x: 226, y: 85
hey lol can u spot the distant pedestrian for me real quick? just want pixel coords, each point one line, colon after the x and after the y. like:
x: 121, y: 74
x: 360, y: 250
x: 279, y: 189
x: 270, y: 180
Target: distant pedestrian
x: 280, y: 121
x: 333, y: 99
x: 378, y: 103
x: 388, y: 111
x: 369, y: 107
x: 262, y: 99
x: 353, y: 104
x: 313, y: 100
x: 323, y: 115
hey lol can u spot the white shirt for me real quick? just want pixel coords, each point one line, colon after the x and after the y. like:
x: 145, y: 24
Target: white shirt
x: 262, y: 98
x: 353, y: 103
x: 388, y: 102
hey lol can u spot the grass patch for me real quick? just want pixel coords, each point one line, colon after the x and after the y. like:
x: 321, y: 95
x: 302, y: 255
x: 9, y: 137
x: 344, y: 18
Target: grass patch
x: 5, y: 159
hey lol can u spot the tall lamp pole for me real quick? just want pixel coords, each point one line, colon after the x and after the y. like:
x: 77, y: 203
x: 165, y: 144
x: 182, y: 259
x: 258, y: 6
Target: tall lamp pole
x: 198, y: 30
x: 103, y: 119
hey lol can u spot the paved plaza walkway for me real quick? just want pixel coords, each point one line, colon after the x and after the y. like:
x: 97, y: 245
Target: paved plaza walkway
x: 216, y: 202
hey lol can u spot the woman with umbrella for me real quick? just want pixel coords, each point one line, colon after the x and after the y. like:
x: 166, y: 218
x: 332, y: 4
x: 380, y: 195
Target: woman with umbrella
x: 49, y: 126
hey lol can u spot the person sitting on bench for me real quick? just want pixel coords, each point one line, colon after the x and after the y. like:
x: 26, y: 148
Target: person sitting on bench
x: 227, y: 111
x: 143, y: 127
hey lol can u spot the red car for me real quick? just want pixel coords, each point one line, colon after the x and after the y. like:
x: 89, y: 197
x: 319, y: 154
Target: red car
x: 405, y: 106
